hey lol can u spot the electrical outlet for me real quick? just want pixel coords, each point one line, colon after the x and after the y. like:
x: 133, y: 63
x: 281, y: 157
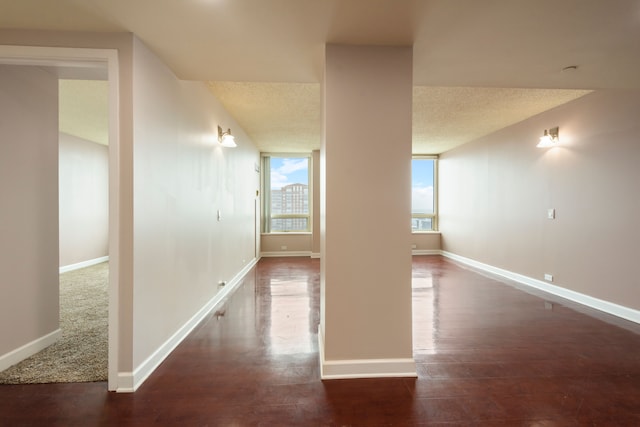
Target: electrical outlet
x: 548, y: 277
x: 222, y: 284
x: 283, y: 247
x: 414, y: 246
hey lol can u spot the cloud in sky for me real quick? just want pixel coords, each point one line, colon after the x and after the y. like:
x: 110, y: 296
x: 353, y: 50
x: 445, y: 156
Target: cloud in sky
x: 278, y: 180
x: 285, y: 174
x: 293, y: 165
x: 422, y: 199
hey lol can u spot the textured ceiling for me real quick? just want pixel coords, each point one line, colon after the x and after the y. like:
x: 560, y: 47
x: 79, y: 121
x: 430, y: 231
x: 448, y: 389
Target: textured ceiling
x: 464, y: 51
x: 279, y: 117
x: 445, y: 117
x: 285, y: 117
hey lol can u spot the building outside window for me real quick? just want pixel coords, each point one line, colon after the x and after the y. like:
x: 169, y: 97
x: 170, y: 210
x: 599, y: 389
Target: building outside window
x: 285, y: 193
x: 424, y: 193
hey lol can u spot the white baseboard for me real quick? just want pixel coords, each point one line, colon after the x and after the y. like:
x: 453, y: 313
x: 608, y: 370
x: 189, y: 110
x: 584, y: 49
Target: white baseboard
x: 129, y: 382
x: 19, y: 354
x: 315, y: 255
x: 364, y: 368
x: 426, y: 252
x: 125, y: 382
x: 589, y: 301
x: 83, y: 264
x: 285, y: 253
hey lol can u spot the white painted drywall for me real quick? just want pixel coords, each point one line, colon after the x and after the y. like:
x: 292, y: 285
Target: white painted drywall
x: 29, y: 205
x: 366, y: 206
x: 84, y: 200
x: 495, y: 193
x: 182, y: 177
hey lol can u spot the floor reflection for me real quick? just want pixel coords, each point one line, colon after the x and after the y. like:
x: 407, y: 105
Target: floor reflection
x: 289, y: 331
x: 288, y: 306
x: 423, y: 308
x: 486, y: 354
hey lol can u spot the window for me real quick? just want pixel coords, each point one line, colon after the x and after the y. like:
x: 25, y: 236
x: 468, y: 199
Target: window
x: 423, y: 193
x: 285, y: 194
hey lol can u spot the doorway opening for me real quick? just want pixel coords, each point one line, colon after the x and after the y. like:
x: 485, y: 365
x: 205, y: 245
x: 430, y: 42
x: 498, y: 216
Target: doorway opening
x: 87, y: 64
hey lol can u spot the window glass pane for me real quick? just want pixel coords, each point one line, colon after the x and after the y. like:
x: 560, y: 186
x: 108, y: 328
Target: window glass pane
x: 422, y: 186
x: 289, y: 179
x: 422, y: 193
x: 289, y: 224
x: 421, y: 224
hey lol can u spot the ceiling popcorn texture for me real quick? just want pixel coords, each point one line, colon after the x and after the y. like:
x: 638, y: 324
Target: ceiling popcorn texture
x: 279, y: 117
x: 446, y: 117
x: 477, y: 65
x: 285, y: 117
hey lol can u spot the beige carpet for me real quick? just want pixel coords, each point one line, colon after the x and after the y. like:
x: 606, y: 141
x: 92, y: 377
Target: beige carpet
x: 81, y: 354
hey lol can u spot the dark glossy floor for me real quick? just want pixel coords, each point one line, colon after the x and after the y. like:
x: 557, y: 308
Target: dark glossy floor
x: 488, y: 354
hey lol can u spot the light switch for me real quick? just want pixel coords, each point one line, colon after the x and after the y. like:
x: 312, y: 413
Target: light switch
x: 551, y: 213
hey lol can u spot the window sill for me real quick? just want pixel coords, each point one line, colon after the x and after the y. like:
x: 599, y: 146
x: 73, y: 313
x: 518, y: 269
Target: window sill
x: 427, y: 232
x: 286, y: 233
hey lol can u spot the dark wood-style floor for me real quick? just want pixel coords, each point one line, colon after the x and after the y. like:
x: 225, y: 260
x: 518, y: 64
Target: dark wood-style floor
x: 488, y: 354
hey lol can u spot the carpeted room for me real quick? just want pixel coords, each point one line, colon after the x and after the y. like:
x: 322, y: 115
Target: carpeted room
x: 78, y: 296
x: 80, y: 355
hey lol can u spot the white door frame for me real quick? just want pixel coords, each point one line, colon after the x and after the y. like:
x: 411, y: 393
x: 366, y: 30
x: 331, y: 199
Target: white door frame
x: 80, y: 57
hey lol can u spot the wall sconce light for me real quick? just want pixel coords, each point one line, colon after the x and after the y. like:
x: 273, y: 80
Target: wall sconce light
x: 225, y: 138
x: 549, y: 138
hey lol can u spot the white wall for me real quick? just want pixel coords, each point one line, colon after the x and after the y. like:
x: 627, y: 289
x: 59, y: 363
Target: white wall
x: 84, y: 200
x: 426, y: 242
x: 181, y: 179
x: 29, y: 211
x: 365, y: 199
x: 121, y: 159
x: 495, y: 192
x: 297, y: 244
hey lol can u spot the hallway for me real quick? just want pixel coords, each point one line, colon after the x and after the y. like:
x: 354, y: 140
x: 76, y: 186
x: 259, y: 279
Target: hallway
x: 487, y: 354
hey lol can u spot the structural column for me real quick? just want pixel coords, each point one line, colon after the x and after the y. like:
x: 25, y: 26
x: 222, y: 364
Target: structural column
x: 365, y: 211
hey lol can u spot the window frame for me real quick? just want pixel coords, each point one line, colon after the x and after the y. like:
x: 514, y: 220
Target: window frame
x: 434, y: 215
x: 265, y: 200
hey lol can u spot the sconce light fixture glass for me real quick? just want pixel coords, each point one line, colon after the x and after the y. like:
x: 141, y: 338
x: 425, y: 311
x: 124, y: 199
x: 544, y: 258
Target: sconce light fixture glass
x: 549, y: 138
x: 225, y: 138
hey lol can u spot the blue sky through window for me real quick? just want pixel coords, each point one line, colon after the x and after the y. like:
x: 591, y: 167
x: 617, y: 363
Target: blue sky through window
x: 422, y: 185
x: 291, y: 170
